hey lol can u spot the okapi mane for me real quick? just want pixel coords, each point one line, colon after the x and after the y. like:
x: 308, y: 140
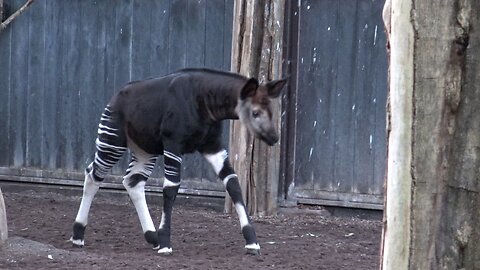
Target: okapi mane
x: 213, y: 71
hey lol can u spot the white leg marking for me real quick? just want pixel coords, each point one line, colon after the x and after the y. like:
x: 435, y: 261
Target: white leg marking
x: 168, y: 183
x: 137, y: 195
x: 162, y: 221
x: 230, y: 176
x: 242, y: 214
x: 255, y: 246
x: 217, y: 160
x: 90, y: 188
x: 77, y: 242
x: 165, y: 251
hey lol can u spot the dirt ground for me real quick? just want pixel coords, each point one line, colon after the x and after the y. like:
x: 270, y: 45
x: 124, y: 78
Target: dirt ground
x: 202, y: 238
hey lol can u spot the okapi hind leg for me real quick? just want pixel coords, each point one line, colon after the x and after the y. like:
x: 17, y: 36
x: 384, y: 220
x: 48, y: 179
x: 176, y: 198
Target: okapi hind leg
x: 224, y: 170
x: 111, y: 145
x: 90, y: 188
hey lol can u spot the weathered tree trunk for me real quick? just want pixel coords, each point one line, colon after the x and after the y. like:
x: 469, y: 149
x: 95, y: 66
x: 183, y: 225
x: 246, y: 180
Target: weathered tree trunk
x: 257, y: 52
x: 3, y: 220
x: 432, y: 211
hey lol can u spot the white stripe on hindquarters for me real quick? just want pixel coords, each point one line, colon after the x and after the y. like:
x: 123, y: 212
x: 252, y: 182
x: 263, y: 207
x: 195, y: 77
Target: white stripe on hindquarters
x: 228, y: 177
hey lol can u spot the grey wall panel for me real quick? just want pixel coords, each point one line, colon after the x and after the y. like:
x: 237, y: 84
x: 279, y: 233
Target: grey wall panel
x: 63, y: 60
x: 339, y: 102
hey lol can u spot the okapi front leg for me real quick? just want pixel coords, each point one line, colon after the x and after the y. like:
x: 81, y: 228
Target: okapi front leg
x: 171, y: 184
x: 224, y: 170
x: 134, y: 181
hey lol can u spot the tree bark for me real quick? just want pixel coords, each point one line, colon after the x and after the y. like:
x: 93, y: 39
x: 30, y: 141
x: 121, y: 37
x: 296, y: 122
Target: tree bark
x: 257, y: 52
x: 433, y: 203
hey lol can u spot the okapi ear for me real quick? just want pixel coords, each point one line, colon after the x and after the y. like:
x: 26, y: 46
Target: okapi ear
x: 250, y: 89
x: 275, y: 87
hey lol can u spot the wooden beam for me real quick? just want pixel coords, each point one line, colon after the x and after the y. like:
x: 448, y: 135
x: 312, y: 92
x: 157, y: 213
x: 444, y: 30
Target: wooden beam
x: 257, y: 52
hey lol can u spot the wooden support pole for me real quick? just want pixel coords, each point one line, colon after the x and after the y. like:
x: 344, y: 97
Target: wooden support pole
x: 432, y: 187
x: 257, y: 52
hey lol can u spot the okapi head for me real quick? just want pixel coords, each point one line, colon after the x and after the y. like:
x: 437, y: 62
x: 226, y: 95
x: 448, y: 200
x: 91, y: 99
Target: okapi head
x: 255, y: 111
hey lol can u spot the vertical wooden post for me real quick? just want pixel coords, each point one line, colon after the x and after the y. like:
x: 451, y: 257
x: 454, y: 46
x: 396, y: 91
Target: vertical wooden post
x: 3, y: 220
x: 433, y: 188
x: 257, y: 52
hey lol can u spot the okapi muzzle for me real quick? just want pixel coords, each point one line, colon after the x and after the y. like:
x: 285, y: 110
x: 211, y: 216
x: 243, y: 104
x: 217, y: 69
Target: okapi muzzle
x: 255, y: 110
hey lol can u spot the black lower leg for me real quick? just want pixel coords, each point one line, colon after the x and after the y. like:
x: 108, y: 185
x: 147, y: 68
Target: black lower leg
x: 235, y: 192
x: 78, y: 231
x: 151, y: 238
x: 169, y: 195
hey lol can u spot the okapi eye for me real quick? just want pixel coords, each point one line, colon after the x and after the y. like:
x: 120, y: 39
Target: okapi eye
x: 255, y: 114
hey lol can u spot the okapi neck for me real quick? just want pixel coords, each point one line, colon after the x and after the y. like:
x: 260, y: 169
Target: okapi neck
x: 219, y: 103
x: 219, y: 106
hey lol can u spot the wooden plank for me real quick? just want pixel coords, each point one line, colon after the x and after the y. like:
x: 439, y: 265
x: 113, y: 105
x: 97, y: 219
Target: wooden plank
x: 189, y: 186
x: 141, y: 46
x: 380, y: 85
x: 123, y: 57
x: 196, y: 43
x: 160, y: 37
x: 19, y: 85
x: 88, y: 84
x: 290, y: 103
x: 35, y: 88
x: 344, y: 95
x: 61, y: 97
x: 5, y: 73
x: 69, y: 105
x: 195, y: 57
x: 364, y: 119
x: 315, y: 155
x: 52, y: 82
x: 341, y: 203
x: 227, y: 33
x: 215, y: 42
x: 123, y: 42
x: 178, y: 35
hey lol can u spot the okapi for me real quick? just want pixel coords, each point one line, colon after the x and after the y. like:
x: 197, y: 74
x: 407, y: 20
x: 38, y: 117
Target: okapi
x: 173, y: 115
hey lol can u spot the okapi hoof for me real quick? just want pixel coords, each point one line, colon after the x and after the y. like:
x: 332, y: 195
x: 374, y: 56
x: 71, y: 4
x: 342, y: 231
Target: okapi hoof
x: 253, y: 249
x: 151, y: 238
x: 77, y: 242
x: 165, y: 251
